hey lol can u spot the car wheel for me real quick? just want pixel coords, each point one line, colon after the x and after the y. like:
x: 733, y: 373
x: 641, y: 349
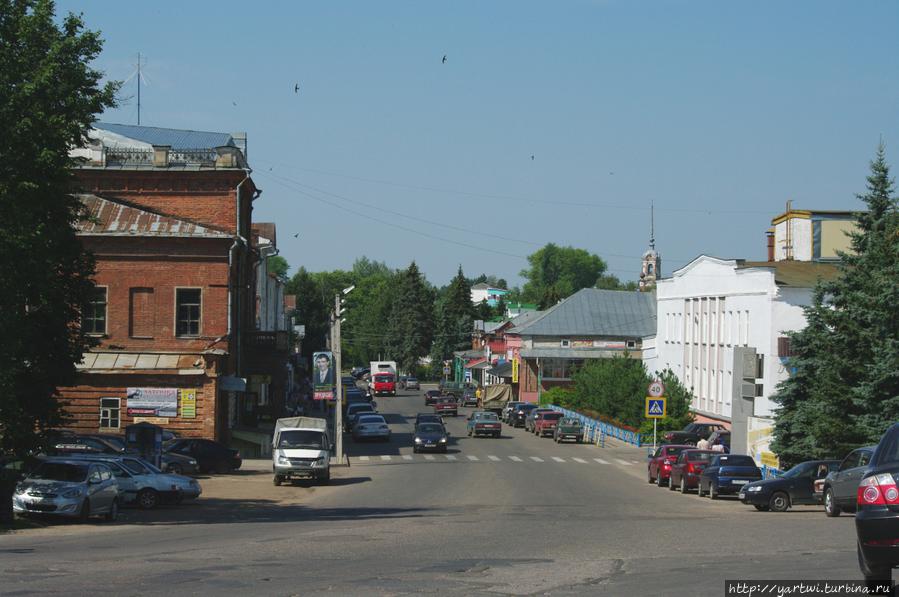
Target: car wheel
x: 779, y: 502
x: 175, y: 469
x: 683, y: 484
x: 713, y: 491
x: 659, y: 480
x: 276, y: 480
x: 874, y: 576
x: 325, y: 477
x: 671, y: 484
x: 830, y: 504
x: 761, y: 508
x: 699, y: 490
x: 85, y: 513
x: 147, y: 499
x: 649, y: 476
x: 113, y: 513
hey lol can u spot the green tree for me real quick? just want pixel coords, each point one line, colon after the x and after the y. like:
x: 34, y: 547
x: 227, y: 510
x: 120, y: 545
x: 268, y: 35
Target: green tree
x: 454, y: 318
x: 410, y: 327
x: 367, y: 313
x: 278, y: 266
x: 844, y: 386
x: 611, y: 282
x: 613, y: 387
x: 558, y: 272
x: 49, y: 96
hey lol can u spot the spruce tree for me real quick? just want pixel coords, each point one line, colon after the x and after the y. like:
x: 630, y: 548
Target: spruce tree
x: 410, y: 328
x: 455, y: 316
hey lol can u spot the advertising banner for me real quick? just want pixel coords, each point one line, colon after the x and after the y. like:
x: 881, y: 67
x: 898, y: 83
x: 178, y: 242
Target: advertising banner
x: 515, y: 370
x: 189, y: 404
x: 152, y: 402
x: 323, y: 375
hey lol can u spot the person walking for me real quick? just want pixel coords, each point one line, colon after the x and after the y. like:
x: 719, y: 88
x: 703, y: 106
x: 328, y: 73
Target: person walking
x: 702, y: 444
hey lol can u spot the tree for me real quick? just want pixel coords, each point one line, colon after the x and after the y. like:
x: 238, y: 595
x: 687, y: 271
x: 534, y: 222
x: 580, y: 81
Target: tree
x: 454, y: 317
x: 611, y: 282
x: 368, y: 310
x: 844, y: 386
x: 278, y: 266
x: 558, y: 272
x: 410, y: 328
x: 49, y: 96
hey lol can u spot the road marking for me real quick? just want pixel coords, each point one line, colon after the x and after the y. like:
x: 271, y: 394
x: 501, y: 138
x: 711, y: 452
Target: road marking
x: 493, y: 458
x: 601, y: 461
x: 557, y: 459
x: 407, y: 456
x: 536, y: 459
x: 450, y: 457
x: 472, y: 458
x: 635, y: 461
x: 581, y: 460
x: 429, y: 457
x: 624, y: 462
x: 365, y: 458
x: 515, y: 458
x: 385, y: 457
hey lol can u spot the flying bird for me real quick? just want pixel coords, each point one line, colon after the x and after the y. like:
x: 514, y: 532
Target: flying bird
x: 234, y: 103
x: 296, y: 88
x: 532, y: 157
x: 297, y: 235
x: 444, y: 59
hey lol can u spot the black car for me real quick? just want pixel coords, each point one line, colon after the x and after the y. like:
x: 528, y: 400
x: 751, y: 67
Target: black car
x: 841, y: 486
x: 210, y: 455
x: 429, y: 436
x: 692, y: 433
x: 727, y: 474
x: 431, y: 396
x: 518, y: 416
x: 428, y: 418
x: 796, y: 487
x: 355, y: 394
x: 877, y: 517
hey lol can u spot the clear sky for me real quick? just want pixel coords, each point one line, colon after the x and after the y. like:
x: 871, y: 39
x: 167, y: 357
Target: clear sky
x: 718, y: 112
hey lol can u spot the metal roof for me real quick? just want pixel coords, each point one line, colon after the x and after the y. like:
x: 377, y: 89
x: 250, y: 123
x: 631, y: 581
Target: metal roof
x: 523, y: 319
x: 570, y: 353
x: 594, y: 312
x: 111, y: 217
x: 799, y: 274
x: 176, y: 138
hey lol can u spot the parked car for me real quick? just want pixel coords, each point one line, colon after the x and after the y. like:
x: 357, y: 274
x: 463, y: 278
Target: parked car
x: 431, y: 396
x: 371, y: 426
x: 877, y: 516
x: 348, y: 381
x: 113, y: 445
x: 484, y: 423
x: 569, y: 428
x: 658, y: 467
x: 687, y: 469
x: 529, y: 421
x: 545, y: 423
x: 518, y: 417
x: 428, y: 418
x: 210, y: 455
x: 841, y: 486
x: 353, y: 410
x: 430, y: 436
x: 726, y: 474
x: 446, y: 405
x: 68, y: 487
x: 507, y: 410
x: 692, y: 433
x: 143, y: 484
x: 469, y: 397
x: 793, y: 488
x: 354, y: 394
x: 412, y: 384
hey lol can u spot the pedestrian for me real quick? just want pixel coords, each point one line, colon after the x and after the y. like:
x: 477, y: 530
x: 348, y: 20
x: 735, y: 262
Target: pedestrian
x: 719, y: 446
x: 702, y: 444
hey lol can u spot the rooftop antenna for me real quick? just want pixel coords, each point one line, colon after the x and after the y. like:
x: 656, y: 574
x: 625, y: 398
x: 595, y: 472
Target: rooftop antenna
x: 141, y: 61
x: 652, y: 226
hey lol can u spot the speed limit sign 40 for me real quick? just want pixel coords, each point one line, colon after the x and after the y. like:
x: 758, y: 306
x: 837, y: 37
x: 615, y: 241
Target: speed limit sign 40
x: 656, y: 389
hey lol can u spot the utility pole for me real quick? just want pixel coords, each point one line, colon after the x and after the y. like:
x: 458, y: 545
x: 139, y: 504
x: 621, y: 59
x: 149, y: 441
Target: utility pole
x: 338, y: 403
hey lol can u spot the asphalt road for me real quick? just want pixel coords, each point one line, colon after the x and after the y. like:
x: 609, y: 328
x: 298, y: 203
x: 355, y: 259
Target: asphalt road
x: 516, y: 515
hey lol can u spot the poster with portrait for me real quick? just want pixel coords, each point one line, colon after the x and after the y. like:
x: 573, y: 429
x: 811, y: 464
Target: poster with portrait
x: 323, y: 375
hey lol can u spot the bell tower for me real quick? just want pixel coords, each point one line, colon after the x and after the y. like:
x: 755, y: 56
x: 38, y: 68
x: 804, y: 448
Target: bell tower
x: 651, y: 267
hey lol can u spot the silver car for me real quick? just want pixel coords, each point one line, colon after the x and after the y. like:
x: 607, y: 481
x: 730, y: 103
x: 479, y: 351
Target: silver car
x: 371, y: 426
x: 144, y: 485
x: 70, y: 488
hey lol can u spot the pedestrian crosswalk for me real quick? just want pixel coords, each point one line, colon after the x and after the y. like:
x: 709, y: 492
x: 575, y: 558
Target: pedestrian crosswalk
x: 472, y: 458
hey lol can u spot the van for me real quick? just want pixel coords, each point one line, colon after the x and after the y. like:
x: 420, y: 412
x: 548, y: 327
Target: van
x: 301, y: 448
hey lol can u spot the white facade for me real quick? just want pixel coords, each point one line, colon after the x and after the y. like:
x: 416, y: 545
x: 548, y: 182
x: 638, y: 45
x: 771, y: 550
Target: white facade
x: 711, y: 306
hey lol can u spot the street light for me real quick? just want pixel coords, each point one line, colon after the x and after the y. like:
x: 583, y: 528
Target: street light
x: 339, y: 308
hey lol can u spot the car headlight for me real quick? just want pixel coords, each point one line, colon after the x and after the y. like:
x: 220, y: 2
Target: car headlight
x: 72, y: 493
x: 192, y: 461
x: 417, y: 440
x: 283, y: 460
x: 442, y: 440
x: 754, y: 488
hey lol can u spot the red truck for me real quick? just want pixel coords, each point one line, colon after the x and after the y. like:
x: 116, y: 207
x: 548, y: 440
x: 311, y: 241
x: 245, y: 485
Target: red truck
x: 545, y: 423
x: 383, y: 384
x: 446, y: 405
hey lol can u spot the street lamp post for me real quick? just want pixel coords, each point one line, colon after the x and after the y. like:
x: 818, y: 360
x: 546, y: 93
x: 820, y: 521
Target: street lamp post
x: 335, y: 347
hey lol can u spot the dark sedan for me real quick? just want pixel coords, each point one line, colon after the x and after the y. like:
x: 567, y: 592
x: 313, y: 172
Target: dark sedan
x: 795, y: 487
x: 429, y: 436
x: 520, y: 414
x: 692, y: 433
x: 841, y: 486
x: 431, y: 396
x: 469, y: 398
x: 727, y: 474
x: 210, y: 455
x: 877, y: 516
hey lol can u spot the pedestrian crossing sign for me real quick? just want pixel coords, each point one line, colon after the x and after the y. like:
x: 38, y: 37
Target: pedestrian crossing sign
x: 656, y: 407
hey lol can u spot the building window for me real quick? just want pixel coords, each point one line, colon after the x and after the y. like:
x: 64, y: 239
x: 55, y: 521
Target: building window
x: 142, y: 316
x: 565, y: 343
x: 93, y: 320
x: 631, y: 344
x: 187, y: 310
x: 109, y: 413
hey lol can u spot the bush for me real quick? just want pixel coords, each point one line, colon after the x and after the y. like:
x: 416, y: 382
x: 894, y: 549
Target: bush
x: 559, y: 395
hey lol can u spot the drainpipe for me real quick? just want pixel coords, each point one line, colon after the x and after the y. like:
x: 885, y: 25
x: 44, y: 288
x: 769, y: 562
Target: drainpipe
x: 234, y: 303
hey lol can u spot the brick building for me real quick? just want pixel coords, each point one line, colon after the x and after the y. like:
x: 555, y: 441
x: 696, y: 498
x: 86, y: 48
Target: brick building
x: 169, y: 222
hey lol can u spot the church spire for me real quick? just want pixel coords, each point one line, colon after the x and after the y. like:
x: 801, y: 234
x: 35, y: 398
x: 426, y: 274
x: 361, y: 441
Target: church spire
x: 651, y: 266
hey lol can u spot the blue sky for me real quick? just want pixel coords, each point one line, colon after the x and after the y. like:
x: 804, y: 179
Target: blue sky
x: 718, y: 112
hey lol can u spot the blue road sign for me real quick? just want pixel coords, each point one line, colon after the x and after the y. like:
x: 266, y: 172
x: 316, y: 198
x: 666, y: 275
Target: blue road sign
x: 656, y: 407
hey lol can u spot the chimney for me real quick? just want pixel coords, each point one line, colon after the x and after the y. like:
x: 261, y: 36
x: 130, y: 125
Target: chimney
x: 769, y: 235
x: 226, y: 157
x: 161, y: 155
x: 240, y: 139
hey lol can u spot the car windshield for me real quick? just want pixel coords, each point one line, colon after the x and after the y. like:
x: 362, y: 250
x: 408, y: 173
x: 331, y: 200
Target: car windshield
x: 371, y: 419
x: 735, y: 461
x: 552, y: 416
x: 674, y: 451
x: 383, y: 378
x: 411, y: 379
x: 800, y: 470
x: 700, y: 456
x: 300, y: 438
x: 60, y: 471
x: 447, y: 400
x: 486, y: 416
x: 430, y: 428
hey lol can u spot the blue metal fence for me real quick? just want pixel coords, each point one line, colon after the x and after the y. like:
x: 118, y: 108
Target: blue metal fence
x: 596, y: 431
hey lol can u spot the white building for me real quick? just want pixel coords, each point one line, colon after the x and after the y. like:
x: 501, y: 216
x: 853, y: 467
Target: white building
x: 484, y: 292
x: 711, y: 307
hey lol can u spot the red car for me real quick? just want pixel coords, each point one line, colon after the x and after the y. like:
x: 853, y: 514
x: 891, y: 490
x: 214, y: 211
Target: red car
x: 431, y: 397
x: 687, y: 469
x: 659, y: 465
x: 545, y: 423
x: 446, y: 405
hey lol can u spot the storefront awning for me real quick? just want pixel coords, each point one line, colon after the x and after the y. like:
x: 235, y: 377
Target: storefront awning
x: 569, y: 353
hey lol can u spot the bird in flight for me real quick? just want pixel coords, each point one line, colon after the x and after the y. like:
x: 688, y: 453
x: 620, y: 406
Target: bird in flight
x: 296, y: 88
x: 532, y: 157
x: 297, y: 235
x: 234, y: 103
x: 444, y: 59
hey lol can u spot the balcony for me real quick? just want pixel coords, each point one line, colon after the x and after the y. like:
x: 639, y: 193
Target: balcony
x: 268, y: 341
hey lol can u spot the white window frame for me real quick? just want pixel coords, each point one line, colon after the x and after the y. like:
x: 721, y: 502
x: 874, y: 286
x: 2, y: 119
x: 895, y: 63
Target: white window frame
x: 107, y: 410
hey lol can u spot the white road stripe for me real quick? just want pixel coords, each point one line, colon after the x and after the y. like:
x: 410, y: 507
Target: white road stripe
x: 557, y: 459
x: 601, y: 461
x: 493, y: 458
x: 535, y: 459
x: 635, y: 461
x: 450, y: 457
x: 581, y: 460
x: 472, y: 458
x: 363, y: 458
x: 407, y: 456
x: 429, y: 457
x: 385, y: 457
x: 624, y: 462
x: 515, y: 458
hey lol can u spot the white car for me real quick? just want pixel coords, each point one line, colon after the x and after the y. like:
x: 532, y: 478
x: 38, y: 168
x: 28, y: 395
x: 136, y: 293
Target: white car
x: 369, y: 426
x: 143, y: 484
